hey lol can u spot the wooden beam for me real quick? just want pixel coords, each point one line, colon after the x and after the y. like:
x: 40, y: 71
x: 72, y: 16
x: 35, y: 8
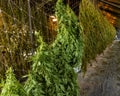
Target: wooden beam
x: 109, y: 3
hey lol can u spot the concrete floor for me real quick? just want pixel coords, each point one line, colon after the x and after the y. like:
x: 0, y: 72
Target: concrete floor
x: 103, y: 74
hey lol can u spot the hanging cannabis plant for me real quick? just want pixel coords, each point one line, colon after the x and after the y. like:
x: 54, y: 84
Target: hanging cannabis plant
x: 98, y: 32
x: 52, y: 72
x: 12, y: 87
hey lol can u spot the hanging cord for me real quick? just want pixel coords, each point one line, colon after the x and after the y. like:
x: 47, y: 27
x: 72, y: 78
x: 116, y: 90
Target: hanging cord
x: 30, y: 27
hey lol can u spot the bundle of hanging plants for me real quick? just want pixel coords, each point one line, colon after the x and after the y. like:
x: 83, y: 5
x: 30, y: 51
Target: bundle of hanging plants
x: 52, y: 71
x: 98, y: 32
x: 12, y: 87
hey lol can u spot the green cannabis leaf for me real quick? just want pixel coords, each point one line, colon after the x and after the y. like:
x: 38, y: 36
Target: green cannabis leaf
x: 52, y: 72
x: 98, y: 32
x: 12, y: 87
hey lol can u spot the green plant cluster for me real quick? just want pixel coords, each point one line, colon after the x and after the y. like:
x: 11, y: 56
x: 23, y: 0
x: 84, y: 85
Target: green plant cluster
x: 15, y: 43
x: 98, y: 32
x: 52, y: 72
x: 12, y: 87
x: 15, y: 47
x: 53, y: 66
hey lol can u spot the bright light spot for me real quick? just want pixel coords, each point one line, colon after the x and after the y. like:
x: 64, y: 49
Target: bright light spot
x: 54, y: 20
x: 52, y: 17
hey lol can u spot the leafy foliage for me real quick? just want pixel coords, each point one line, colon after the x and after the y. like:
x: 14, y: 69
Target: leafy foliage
x: 52, y: 72
x: 15, y: 48
x: 12, y: 87
x: 15, y: 43
x: 98, y: 32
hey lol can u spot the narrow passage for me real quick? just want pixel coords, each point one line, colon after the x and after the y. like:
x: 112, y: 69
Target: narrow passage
x: 103, y: 74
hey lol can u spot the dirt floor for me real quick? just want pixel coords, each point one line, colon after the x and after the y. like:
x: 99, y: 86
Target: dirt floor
x: 103, y: 74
